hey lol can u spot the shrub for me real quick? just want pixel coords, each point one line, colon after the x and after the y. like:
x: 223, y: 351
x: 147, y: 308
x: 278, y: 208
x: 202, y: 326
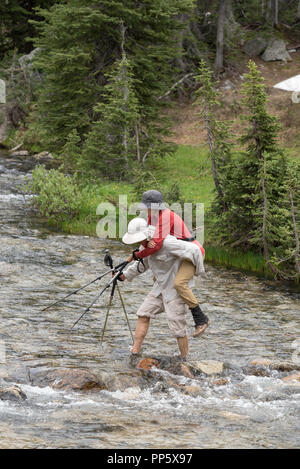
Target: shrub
x: 57, y: 196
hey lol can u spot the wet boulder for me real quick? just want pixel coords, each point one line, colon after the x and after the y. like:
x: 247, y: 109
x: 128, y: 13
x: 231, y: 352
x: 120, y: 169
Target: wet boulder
x: 190, y: 390
x: 147, y: 363
x: 257, y: 370
x: 208, y: 367
x: 75, y: 379
x: 261, y: 362
x: 71, y: 379
x: 220, y: 382
x: 285, y: 366
x: 275, y: 365
x: 12, y: 393
x: 295, y: 377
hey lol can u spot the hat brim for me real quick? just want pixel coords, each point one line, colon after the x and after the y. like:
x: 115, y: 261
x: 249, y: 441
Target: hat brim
x: 153, y: 205
x: 129, y: 238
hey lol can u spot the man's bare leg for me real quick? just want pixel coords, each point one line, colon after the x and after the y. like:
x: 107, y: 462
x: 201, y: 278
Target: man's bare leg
x: 183, y: 345
x: 140, y: 333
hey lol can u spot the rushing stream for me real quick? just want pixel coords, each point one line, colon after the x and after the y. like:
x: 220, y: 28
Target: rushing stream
x: 250, y: 318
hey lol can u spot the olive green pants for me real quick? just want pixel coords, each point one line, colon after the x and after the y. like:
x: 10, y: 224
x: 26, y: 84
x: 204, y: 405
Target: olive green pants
x: 184, y: 275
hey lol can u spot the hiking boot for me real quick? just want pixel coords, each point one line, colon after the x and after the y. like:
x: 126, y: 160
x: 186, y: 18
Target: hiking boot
x: 200, y: 329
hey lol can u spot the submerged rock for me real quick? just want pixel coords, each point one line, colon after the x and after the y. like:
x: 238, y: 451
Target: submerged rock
x: 259, y: 371
x: 293, y: 377
x: 190, y: 390
x: 12, y: 393
x: 274, y: 365
x: 284, y: 366
x: 74, y: 379
x: 220, y: 382
x: 261, y: 362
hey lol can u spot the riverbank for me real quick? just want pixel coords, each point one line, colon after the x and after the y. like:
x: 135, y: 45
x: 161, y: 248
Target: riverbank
x: 186, y: 177
x: 188, y: 173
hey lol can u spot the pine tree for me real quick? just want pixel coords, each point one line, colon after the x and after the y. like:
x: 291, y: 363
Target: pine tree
x: 110, y: 147
x: 80, y: 42
x: 258, y: 216
x: 217, y: 132
x: 15, y: 28
x: 293, y: 188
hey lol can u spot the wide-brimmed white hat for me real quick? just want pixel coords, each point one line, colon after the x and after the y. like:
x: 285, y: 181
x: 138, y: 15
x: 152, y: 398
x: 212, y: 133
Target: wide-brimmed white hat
x: 137, y: 231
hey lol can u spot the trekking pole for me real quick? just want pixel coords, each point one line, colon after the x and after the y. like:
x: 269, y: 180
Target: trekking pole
x: 127, y: 319
x: 78, y: 289
x: 114, y: 279
x: 108, y: 310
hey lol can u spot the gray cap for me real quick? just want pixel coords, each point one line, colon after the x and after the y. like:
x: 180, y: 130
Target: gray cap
x: 152, y: 199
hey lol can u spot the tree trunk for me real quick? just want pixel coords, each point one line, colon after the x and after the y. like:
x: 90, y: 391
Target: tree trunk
x: 273, y: 268
x: 213, y: 161
x: 220, y: 37
x: 125, y: 96
x: 275, y: 13
x: 298, y: 11
x: 137, y: 140
x: 268, y: 11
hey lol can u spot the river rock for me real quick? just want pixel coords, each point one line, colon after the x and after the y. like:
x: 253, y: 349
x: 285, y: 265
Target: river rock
x: 285, y: 366
x: 68, y: 379
x: 19, y: 153
x: 255, y: 46
x: 278, y: 366
x: 233, y: 415
x: 261, y: 362
x: 257, y: 370
x: 147, y: 363
x: 276, y: 50
x: 12, y: 393
x: 43, y: 155
x: 208, y: 367
x: 185, y: 371
x: 190, y: 390
x: 220, y: 382
x: 293, y: 377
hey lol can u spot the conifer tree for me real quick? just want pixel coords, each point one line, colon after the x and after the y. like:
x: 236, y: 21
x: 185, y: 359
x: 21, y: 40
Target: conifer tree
x: 258, y: 217
x: 110, y: 146
x: 80, y: 40
x: 217, y: 132
x: 293, y: 187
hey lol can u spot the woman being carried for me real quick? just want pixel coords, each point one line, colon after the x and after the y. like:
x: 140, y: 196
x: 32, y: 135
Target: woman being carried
x: 168, y: 222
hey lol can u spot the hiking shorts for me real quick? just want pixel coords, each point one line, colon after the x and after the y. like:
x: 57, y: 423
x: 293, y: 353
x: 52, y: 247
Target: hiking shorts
x: 175, y: 311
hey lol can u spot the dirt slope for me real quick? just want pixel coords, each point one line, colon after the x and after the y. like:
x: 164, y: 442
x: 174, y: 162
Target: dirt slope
x: 186, y: 127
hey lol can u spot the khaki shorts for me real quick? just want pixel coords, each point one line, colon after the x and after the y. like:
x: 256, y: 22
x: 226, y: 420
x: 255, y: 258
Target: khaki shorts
x: 175, y: 310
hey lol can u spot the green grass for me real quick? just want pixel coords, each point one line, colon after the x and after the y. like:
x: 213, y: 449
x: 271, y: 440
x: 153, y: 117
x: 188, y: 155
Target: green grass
x: 190, y: 169
x: 247, y: 262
